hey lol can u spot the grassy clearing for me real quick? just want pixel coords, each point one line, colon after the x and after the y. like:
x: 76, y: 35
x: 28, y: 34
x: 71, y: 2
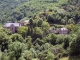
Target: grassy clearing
x: 71, y: 58
x: 64, y: 58
x: 63, y: 1
x: 35, y: 59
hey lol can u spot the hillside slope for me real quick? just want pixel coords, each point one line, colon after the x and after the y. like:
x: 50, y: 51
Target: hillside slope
x: 19, y: 10
x: 6, y: 6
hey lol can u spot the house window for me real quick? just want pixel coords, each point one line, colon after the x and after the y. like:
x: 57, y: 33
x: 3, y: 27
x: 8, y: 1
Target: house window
x: 12, y: 28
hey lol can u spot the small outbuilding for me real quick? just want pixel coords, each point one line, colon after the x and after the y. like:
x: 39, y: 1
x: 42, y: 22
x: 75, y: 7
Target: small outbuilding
x: 25, y: 22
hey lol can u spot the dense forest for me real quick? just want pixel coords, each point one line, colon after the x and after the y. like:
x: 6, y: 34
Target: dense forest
x: 7, y: 6
x: 35, y: 41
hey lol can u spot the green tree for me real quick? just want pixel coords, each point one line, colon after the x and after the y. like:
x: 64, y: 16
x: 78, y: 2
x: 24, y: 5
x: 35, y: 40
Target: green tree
x: 31, y: 22
x: 16, y: 49
x: 66, y: 41
x: 39, y: 23
x: 4, y: 56
x: 7, y: 31
x: 16, y: 37
x: 4, y: 41
x: 38, y: 33
x: 71, y: 21
x: 23, y: 31
x: 45, y: 27
x: 29, y: 41
x: 63, y: 21
x: 27, y: 55
x: 60, y: 39
x: 31, y: 26
x: 52, y: 38
x: 75, y: 44
x: 50, y: 56
x: 70, y: 27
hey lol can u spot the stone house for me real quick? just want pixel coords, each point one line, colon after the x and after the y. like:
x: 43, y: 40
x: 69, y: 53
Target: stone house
x: 12, y: 26
x: 63, y: 31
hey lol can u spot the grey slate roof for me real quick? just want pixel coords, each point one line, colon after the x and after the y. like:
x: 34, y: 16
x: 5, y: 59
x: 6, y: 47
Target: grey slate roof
x: 9, y: 24
x: 64, y: 29
x: 26, y: 21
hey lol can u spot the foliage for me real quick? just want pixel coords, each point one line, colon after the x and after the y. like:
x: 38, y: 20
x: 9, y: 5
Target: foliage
x: 52, y: 38
x: 23, y: 31
x: 16, y: 37
x: 4, y: 41
x: 35, y: 41
x: 16, y: 49
x: 74, y: 47
x: 70, y: 27
x: 17, y: 10
x: 45, y: 27
x: 38, y: 33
